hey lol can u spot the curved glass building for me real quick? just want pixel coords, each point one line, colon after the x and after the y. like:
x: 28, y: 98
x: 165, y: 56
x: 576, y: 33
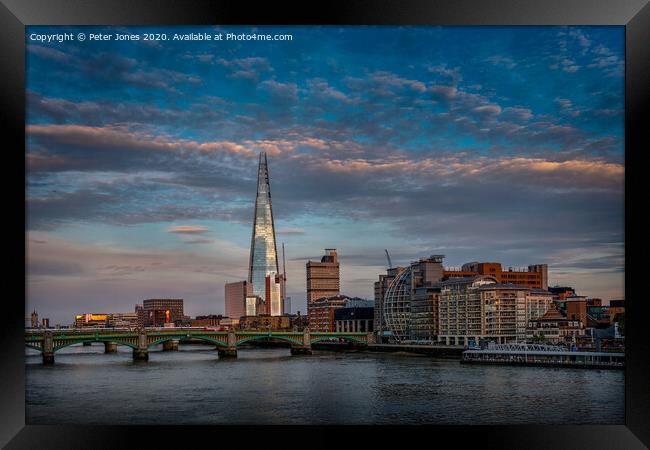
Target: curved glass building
x: 397, y: 306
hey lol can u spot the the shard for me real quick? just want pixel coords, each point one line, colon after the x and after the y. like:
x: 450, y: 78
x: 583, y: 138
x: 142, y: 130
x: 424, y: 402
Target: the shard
x: 264, y: 256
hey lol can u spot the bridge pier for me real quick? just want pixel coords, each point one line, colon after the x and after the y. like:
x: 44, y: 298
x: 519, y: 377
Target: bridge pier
x: 231, y: 350
x: 48, y: 348
x: 110, y: 347
x: 141, y: 353
x: 171, y: 345
x: 304, y: 349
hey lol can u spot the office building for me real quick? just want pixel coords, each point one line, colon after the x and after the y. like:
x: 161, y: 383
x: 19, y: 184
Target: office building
x: 122, y: 320
x: 409, y: 306
x: 91, y: 320
x: 535, y: 276
x: 235, y: 298
x: 354, y: 318
x: 321, y: 311
x: 381, y: 287
x: 46, y: 322
x: 323, y: 278
x: 273, y: 294
x: 172, y: 310
x: 263, y: 253
x: 287, y: 305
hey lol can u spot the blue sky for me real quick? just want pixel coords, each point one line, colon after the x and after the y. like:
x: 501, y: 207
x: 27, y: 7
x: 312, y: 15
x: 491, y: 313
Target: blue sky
x: 482, y: 143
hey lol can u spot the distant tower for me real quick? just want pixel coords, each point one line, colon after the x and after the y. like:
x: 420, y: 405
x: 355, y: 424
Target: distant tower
x: 34, y: 319
x: 263, y: 256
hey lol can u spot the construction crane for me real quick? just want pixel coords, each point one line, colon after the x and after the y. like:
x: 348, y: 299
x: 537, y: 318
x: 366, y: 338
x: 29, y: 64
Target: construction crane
x: 390, y: 264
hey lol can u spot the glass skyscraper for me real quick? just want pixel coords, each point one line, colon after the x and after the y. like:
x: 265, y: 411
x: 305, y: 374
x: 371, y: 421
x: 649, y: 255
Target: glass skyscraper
x: 264, y: 256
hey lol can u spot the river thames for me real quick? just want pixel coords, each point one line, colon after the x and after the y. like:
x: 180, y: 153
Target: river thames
x: 269, y: 386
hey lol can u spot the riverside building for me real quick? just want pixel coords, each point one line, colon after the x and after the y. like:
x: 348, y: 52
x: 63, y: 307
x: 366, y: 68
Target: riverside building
x: 535, y: 276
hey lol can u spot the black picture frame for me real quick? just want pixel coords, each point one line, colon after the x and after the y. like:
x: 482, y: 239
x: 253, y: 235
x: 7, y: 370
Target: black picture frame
x: 16, y: 14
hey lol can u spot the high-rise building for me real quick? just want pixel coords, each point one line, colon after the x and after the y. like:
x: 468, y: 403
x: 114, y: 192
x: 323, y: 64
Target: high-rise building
x: 46, y: 322
x: 287, y: 305
x: 323, y: 278
x: 381, y: 287
x: 235, y: 298
x: 409, y: 304
x: 263, y: 255
x: 273, y: 294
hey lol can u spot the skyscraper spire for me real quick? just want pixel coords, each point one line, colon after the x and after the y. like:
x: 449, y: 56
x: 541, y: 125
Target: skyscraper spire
x: 263, y: 256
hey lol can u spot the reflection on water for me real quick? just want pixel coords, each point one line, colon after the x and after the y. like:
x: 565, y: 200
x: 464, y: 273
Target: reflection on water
x: 269, y: 386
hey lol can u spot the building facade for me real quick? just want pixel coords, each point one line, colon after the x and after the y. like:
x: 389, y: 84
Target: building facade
x: 503, y: 313
x: 172, y: 310
x: 353, y: 319
x: 263, y: 259
x: 321, y: 312
x: 122, y: 320
x: 235, y: 298
x: 460, y: 318
x: 409, y: 306
x: 90, y: 320
x: 381, y: 287
x: 535, y: 276
x: 555, y: 328
x: 264, y: 322
x: 323, y: 278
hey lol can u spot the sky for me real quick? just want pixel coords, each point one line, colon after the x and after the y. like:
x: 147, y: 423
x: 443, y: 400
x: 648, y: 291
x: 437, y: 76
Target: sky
x: 497, y: 144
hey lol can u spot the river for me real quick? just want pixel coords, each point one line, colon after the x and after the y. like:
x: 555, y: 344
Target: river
x: 269, y: 386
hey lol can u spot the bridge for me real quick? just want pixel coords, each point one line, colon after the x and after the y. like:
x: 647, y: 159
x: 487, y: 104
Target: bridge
x: 140, y: 340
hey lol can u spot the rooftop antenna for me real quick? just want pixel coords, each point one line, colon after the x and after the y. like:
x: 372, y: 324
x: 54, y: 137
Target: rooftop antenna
x: 284, y: 264
x: 390, y: 264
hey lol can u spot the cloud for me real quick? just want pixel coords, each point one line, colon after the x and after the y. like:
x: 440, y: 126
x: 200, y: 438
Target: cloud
x: 200, y: 241
x: 49, y: 53
x: 494, y: 110
x: 280, y: 90
x: 188, y: 229
x: 246, y: 68
x: 290, y: 231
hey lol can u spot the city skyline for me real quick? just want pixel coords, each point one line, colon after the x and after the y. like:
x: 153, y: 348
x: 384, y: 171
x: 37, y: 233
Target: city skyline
x: 492, y: 144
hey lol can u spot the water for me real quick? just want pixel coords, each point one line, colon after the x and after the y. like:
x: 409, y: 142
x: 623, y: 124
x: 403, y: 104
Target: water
x: 269, y: 386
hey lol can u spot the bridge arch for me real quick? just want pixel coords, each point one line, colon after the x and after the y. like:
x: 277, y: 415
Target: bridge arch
x: 34, y: 346
x: 267, y: 337
x: 201, y: 338
x: 352, y: 339
x: 93, y: 339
